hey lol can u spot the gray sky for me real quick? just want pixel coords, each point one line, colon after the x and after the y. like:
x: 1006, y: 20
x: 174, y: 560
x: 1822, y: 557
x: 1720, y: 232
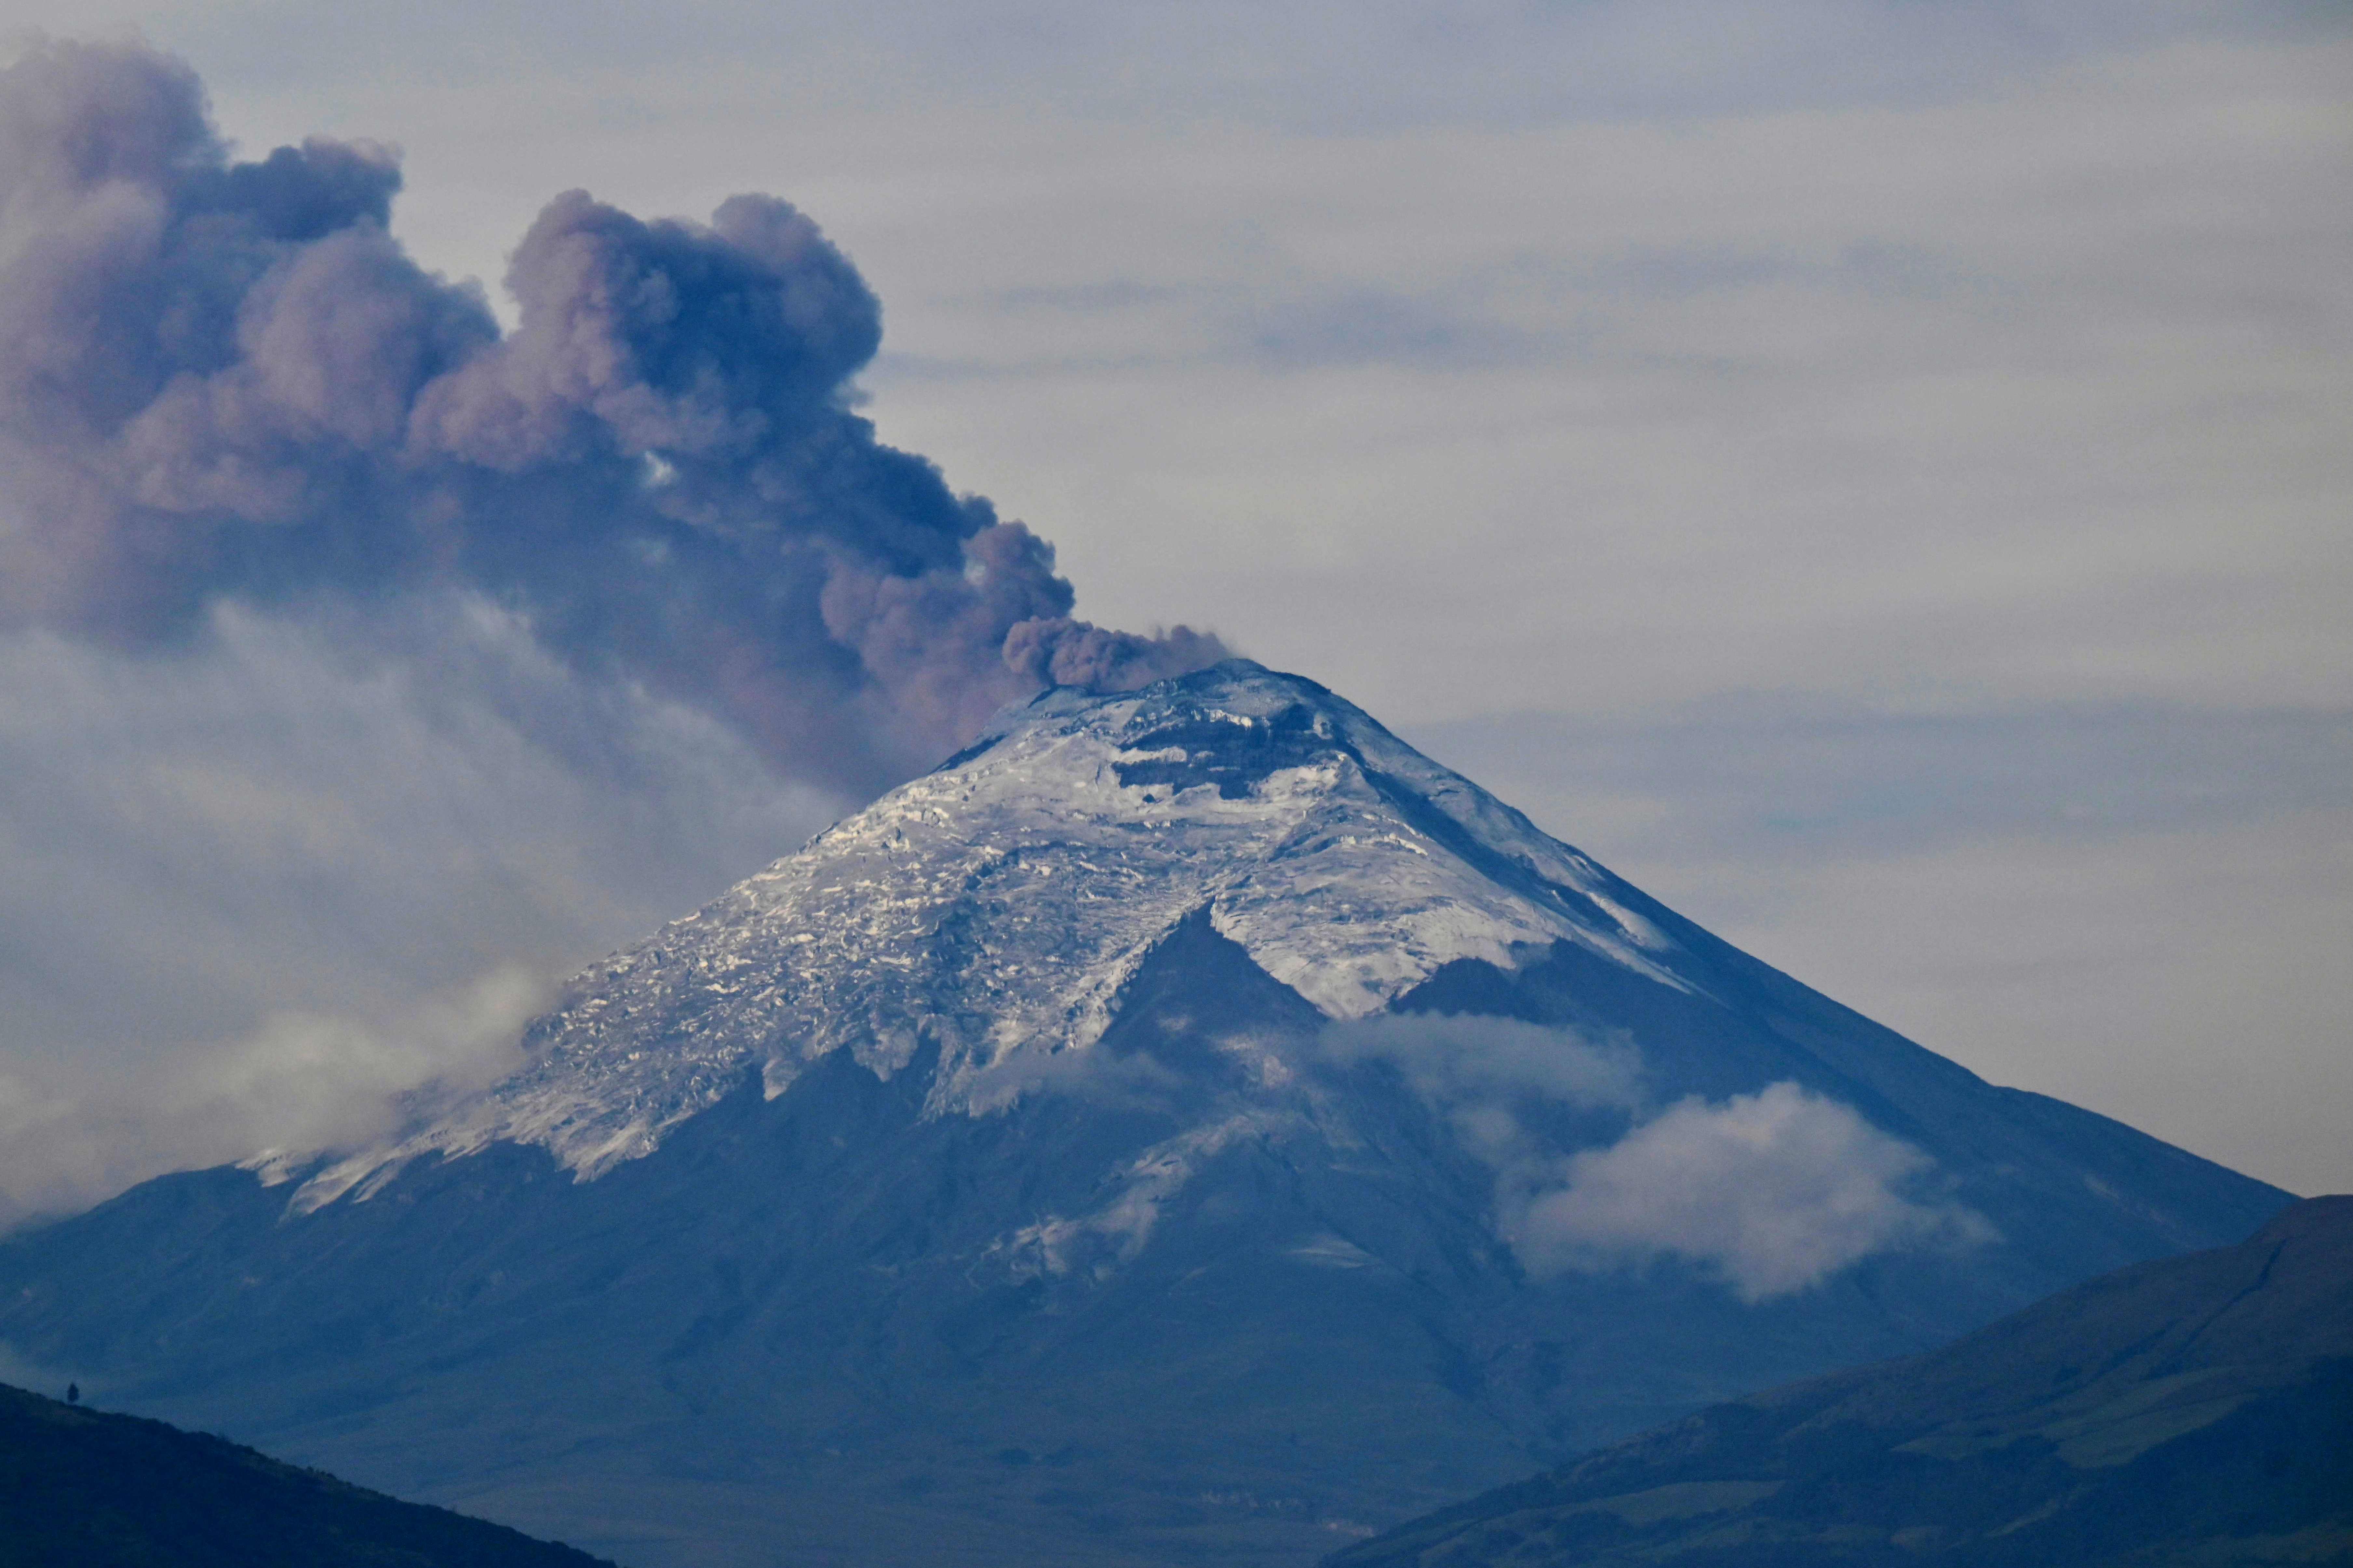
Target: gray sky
x: 1876, y: 475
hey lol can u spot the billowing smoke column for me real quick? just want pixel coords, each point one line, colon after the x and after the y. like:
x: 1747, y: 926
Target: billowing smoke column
x: 225, y: 380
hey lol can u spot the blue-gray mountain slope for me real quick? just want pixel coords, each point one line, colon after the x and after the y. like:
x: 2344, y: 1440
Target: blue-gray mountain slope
x: 1189, y: 1125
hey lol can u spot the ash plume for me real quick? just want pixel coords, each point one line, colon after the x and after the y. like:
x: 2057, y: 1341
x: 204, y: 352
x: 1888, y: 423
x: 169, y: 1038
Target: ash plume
x: 225, y: 382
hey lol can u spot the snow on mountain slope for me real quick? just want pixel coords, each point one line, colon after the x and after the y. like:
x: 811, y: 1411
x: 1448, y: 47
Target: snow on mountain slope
x: 997, y: 906
x: 1195, y: 1123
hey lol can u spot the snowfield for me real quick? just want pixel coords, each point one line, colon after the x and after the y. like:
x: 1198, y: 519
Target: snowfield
x: 996, y: 906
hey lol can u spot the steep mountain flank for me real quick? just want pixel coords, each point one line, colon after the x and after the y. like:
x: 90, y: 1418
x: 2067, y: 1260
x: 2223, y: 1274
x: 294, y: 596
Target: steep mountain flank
x: 1187, y: 1124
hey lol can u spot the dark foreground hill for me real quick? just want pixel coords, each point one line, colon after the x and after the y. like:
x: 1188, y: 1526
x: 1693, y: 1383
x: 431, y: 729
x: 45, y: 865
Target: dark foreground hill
x: 79, y: 1489
x: 2193, y: 1411
x: 1188, y: 1127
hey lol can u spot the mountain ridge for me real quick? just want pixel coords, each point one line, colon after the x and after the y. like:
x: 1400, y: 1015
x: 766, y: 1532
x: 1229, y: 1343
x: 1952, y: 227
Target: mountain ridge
x: 1278, y: 806
x: 2192, y: 1409
x: 101, y: 1490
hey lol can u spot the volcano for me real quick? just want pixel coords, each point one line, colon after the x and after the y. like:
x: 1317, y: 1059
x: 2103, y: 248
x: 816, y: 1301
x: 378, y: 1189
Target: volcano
x: 1187, y: 1125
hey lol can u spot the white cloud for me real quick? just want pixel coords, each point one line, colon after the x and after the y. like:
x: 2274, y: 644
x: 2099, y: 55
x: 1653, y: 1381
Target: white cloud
x: 301, y: 1082
x: 259, y: 887
x: 1774, y: 1190
x: 1475, y: 1064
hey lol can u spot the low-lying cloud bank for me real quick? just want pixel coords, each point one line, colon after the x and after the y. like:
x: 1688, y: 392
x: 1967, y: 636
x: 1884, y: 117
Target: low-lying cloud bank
x: 1773, y: 1193
x: 1468, y: 1063
x: 257, y: 887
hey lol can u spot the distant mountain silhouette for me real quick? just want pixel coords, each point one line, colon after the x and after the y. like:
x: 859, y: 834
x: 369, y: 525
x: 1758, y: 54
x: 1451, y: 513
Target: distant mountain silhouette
x: 1189, y: 1125
x: 2193, y: 1411
x: 82, y: 1488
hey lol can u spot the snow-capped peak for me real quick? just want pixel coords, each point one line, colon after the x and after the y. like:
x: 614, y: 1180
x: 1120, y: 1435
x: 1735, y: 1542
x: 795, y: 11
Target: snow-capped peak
x: 998, y: 904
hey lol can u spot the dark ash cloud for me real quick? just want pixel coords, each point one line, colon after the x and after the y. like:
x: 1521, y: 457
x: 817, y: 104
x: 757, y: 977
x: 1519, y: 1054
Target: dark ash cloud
x: 364, y: 667
x: 225, y: 381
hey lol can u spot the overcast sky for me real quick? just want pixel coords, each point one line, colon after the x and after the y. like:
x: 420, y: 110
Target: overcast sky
x: 1876, y: 475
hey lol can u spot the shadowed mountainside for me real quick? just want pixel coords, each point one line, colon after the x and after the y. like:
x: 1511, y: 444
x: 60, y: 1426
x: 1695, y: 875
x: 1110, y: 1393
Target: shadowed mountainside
x: 2196, y: 1410
x: 99, y: 1490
